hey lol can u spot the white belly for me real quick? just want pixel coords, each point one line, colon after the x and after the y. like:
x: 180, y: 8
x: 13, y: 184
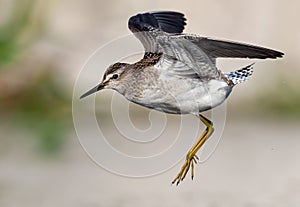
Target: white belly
x: 183, y: 96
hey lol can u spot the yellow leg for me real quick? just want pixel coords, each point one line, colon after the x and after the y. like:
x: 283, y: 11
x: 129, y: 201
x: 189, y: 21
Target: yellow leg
x: 191, y: 157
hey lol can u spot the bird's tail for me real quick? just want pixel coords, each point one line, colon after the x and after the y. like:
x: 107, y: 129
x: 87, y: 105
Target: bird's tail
x: 240, y: 75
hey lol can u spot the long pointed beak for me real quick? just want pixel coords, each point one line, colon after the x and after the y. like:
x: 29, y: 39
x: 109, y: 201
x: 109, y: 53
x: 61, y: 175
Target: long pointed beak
x: 93, y: 90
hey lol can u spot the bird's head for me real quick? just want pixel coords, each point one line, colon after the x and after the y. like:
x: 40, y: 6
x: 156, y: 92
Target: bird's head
x: 110, y: 80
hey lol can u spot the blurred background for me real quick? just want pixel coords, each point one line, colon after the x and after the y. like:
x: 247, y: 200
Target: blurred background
x: 44, y: 44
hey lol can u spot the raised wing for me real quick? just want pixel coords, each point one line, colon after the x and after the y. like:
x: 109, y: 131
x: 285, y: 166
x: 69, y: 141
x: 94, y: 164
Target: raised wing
x: 227, y: 49
x: 159, y: 32
x: 174, y: 23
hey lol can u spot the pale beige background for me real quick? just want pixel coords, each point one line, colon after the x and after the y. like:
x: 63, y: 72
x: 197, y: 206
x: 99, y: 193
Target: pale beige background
x: 257, y: 161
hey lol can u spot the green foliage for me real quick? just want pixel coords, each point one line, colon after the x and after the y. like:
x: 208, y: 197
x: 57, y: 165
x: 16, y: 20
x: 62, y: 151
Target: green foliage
x: 44, y: 108
x: 42, y: 105
x: 283, y: 100
x: 11, y: 32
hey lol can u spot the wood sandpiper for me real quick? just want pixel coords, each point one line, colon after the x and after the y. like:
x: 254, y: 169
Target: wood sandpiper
x: 178, y: 72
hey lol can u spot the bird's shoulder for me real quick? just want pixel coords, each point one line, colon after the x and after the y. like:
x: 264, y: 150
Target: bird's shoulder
x: 149, y: 59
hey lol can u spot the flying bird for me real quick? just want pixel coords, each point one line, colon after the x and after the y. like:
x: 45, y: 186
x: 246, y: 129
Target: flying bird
x: 178, y: 73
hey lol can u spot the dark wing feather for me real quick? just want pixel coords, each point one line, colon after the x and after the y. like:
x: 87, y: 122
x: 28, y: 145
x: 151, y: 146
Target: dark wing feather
x: 146, y: 26
x: 220, y: 48
x: 167, y: 21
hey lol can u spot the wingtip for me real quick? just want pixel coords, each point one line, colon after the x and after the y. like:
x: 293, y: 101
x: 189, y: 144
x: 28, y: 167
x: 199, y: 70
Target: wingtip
x: 276, y: 54
x: 281, y: 55
x: 167, y: 21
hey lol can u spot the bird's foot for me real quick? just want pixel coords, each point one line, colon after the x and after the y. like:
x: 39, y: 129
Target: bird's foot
x: 191, y: 159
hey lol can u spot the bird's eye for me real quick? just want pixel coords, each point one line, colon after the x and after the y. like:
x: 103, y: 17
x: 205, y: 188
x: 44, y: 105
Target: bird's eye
x: 115, y: 76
